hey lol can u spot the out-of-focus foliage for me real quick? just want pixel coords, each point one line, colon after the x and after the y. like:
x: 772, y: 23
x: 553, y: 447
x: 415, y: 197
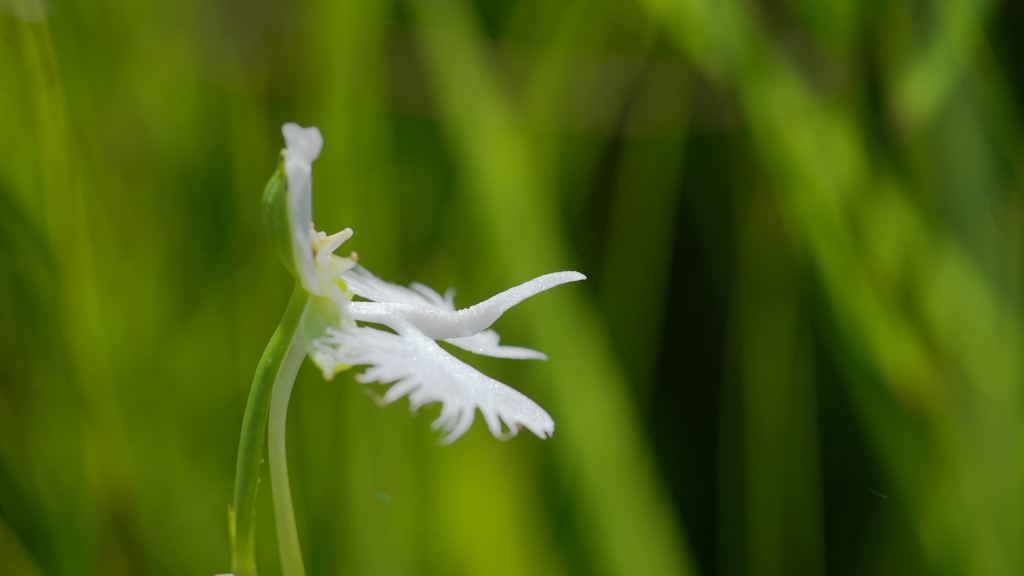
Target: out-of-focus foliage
x: 799, y: 350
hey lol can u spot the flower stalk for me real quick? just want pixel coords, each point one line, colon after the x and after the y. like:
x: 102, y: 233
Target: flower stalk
x: 254, y: 431
x: 284, y: 514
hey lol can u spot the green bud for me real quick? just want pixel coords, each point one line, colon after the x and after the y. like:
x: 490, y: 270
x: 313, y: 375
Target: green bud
x: 276, y: 217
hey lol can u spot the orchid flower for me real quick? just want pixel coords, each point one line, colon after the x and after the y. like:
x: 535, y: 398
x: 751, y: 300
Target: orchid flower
x: 323, y: 321
x: 419, y: 316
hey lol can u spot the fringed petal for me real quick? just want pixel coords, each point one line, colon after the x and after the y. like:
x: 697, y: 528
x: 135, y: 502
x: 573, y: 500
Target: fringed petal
x: 426, y: 373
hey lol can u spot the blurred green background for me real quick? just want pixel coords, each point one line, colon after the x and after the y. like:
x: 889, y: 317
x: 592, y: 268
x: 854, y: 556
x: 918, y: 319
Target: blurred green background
x: 799, y: 350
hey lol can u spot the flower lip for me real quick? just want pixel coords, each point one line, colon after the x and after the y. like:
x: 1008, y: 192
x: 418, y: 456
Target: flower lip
x: 417, y: 367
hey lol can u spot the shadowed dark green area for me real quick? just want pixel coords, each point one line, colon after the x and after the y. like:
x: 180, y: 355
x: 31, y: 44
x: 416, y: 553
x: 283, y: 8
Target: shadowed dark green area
x: 799, y: 350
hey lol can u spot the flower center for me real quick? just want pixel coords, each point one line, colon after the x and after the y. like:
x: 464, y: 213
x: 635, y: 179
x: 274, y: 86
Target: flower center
x: 328, y: 266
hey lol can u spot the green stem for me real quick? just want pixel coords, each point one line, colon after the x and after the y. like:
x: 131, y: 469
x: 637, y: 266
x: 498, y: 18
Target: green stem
x: 254, y: 429
x: 287, y: 535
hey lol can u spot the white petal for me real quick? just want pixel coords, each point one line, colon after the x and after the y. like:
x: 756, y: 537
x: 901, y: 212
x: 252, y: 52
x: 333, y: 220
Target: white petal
x: 306, y: 143
x: 426, y: 373
x: 486, y: 343
x: 446, y: 302
x: 364, y: 284
x: 400, y: 314
x: 303, y: 146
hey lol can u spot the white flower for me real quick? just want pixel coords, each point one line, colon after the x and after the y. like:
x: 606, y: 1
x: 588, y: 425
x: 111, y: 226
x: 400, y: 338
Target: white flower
x: 410, y: 356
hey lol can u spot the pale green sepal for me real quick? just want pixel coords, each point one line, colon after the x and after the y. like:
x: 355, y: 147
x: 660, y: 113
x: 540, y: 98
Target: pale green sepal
x: 322, y: 313
x: 276, y: 218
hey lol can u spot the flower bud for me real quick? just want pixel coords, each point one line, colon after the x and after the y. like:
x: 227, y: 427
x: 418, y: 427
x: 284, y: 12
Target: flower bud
x: 275, y: 216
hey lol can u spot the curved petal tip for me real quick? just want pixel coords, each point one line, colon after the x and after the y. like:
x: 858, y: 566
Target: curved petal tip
x: 305, y: 142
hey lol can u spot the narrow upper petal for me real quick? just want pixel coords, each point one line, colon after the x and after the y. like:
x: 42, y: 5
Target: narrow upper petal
x: 303, y: 146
